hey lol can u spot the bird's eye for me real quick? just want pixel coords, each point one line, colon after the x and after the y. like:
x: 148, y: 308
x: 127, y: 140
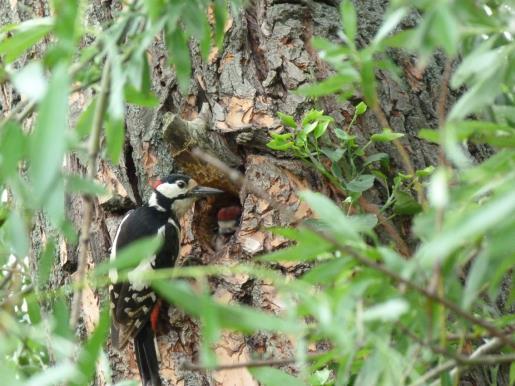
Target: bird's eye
x: 181, y: 184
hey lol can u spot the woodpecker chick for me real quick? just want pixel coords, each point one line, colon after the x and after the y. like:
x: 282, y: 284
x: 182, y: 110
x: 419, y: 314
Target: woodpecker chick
x: 228, y: 219
x: 135, y: 306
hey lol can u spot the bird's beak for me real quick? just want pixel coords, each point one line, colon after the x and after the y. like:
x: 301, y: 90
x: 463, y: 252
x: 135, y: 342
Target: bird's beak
x: 204, y: 191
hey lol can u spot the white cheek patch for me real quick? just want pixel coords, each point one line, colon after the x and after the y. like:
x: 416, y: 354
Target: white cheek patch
x: 170, y: 190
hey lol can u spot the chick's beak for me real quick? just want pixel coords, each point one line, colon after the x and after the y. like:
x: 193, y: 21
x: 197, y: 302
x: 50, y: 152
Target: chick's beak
x: 204, y: 191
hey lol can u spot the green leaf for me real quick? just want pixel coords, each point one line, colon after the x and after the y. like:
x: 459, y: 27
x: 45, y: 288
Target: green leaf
x: 473, y: 223
x: 154, y: 8
x: 444, y: 29
x: 33, y: 308
x: 343, y: 135
x: 475, y: 279
x: 61, y: 314
x: 45, y: 263
x: 311, y: 116
x: 405, y: 204
x: 115, y: 136
x: 339, y: 224
x: 331, y: 85
x: 78, y: 184
x: 334, y: 155
x: 13, y: 148
x: 388, y: 311
x: 481, y: 62
x: 389, y: 24
x: 321, y: 127
x: 386, y: 135
x: 131, y: 255
x: 368, y: 82
x: 220, y: 12
x: 91, y: 350
x: 287, y: 120
x: 377, y: 157
x: 326, y: 271
x: 48, y: 141
x: 25, y: 36
x: 349, y: 19
x: 179, y: 56
x: 308, y: 247
x: 360, y: 183
x: 236, y: 317
x: 16, y: 232
x: 426, y: 172
x: 361, y: 108
x: 85, y: 121
x: 478, y: 96
x: 429, y: 135
x: 268, y: 376
x: 139, y: 98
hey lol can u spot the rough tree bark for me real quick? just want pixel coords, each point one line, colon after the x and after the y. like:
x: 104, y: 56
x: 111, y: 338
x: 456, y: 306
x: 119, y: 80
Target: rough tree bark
x: 232, y: 103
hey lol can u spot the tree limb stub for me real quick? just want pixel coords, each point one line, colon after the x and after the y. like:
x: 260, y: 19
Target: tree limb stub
x: 183, y: 136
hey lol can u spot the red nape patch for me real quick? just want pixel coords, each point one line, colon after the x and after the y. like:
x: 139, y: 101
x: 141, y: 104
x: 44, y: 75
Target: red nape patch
x: 154, y: 315
x: 229, y: 213
x: 154, y: 183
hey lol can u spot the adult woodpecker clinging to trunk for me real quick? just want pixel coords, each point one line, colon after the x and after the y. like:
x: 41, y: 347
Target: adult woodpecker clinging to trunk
x: 135, y: 307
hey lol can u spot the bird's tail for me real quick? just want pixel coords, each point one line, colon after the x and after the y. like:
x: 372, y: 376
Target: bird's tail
x: 146, y: 357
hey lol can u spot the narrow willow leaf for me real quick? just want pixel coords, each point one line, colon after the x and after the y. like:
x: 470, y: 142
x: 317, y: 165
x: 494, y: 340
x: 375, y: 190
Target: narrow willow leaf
x: 240, y: 318
x: 179, y: 56
x: 269, y: 376
x: 389, y: 24
x: 130, y: 255
x: 45, y: 263
x: 48, y: 142
x: 220, y: 13
x: 13, y: 148
x: 472, y: 224
x: 390, y: 310
x: 349, y: 19
x: 386, y: 135
x: 85, y: 121
x: 22, y: 39
x: 331, y: 215
x: 115, y: 136
x: 328, y: 86
x: 79, y: 184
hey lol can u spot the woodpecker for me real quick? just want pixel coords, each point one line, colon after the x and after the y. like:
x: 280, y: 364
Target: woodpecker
x: 135, y: 307
x: 227, y: 222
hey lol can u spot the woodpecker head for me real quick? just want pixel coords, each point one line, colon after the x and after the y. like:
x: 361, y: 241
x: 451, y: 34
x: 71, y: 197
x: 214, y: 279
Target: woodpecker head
x: 178, y: 192
x: 228, y: 219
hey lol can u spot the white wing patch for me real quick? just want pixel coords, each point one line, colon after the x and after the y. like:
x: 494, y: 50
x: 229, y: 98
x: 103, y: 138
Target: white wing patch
x: 113, y: 272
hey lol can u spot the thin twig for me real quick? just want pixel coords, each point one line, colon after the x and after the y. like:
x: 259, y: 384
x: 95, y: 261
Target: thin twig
x: 238, y: 178
x: 478, y: 357
x: 252, y: 363
x: 93, y: 147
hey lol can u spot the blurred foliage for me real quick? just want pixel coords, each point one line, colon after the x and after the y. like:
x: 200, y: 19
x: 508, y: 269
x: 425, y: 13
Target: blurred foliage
x: 351, y: 300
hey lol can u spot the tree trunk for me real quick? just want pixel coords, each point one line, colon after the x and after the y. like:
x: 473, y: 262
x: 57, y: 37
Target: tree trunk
x: 267, y: 53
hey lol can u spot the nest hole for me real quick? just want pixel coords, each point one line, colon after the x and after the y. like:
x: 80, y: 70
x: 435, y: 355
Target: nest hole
x: 215, y: 220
